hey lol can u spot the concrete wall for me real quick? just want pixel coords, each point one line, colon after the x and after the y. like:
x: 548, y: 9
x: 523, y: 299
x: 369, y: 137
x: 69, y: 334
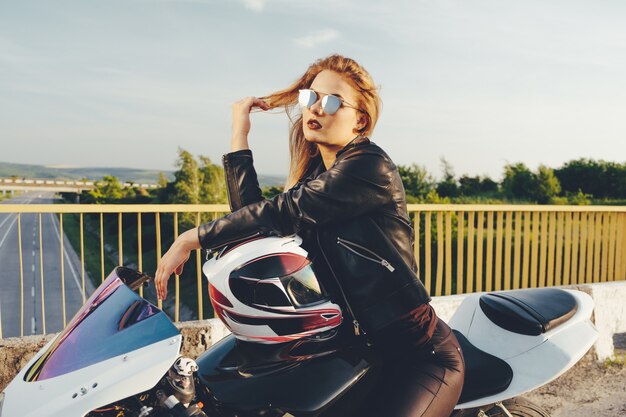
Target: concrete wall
x: 609, y: 318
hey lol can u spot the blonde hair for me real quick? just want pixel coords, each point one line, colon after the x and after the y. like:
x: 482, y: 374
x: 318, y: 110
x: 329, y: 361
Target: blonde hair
x: 301, y: 151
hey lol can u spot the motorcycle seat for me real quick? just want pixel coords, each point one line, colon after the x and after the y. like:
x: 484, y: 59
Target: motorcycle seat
x: 485, y: 374
x: 529, y: 312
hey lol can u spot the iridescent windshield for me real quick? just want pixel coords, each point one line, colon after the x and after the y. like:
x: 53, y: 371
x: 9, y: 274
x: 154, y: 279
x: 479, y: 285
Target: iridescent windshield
x: 114, y: 321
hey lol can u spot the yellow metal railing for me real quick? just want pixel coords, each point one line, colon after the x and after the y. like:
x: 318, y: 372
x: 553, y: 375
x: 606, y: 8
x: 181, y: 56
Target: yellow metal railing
x: 458, y: 248
x: 102, y: 210
x: 473, y: 248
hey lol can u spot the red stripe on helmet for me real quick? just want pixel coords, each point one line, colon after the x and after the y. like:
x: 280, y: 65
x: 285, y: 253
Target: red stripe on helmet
x: 218, y: 297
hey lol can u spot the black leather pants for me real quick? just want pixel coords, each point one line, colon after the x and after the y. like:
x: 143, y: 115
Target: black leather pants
x: 422, y: 382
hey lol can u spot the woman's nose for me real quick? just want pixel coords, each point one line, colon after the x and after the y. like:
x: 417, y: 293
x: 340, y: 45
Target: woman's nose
x: 317, y: 107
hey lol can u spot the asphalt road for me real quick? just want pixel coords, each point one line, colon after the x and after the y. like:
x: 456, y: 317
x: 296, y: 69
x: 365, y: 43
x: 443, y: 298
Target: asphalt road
x: 36, y: 320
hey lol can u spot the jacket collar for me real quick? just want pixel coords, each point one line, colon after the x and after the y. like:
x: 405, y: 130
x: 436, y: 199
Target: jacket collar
x: 317, y: 165
x: 357, y: 141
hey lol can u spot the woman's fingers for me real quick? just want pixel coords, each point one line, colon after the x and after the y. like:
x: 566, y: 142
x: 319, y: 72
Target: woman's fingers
x: 245, y: 105
x: 257, y: 102
x: 241, y: 115
x: 173, y: 261
x: 160, y: 281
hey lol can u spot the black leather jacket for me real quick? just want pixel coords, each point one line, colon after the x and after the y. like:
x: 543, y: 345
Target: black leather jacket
x: 356, y: 213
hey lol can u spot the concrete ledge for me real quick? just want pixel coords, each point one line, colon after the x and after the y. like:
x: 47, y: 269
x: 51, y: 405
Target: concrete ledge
x: 198, y: 336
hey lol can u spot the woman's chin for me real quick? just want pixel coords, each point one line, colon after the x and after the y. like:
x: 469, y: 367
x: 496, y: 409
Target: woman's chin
x: 312, y: 136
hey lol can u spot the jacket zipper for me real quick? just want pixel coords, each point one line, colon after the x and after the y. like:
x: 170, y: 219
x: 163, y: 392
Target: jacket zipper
x: 355, y: 323
x: 346, y: 244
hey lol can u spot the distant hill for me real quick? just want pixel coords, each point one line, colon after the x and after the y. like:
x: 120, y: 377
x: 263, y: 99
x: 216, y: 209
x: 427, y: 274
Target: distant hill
x: 96, y: 173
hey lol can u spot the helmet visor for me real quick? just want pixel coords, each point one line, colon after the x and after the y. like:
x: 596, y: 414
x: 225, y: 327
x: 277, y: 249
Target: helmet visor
x: 303, y: 288
x: 277, y: 280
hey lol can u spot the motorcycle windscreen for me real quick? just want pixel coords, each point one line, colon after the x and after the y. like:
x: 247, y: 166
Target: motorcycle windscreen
x: 115, y: 320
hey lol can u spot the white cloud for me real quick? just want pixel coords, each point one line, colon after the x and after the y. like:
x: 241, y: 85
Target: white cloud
x: 256, y: 5
x: 317, y: 38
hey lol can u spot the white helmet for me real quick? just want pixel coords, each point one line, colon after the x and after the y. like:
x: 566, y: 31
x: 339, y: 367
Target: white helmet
x: 265, y: 290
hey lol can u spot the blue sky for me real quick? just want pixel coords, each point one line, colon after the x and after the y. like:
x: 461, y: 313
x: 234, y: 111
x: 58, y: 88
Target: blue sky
x: 481, y: 83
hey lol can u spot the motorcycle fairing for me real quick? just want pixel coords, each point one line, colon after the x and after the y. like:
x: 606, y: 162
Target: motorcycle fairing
x: 249, y: 379
x: 117, y: 345
x: 535, y: 360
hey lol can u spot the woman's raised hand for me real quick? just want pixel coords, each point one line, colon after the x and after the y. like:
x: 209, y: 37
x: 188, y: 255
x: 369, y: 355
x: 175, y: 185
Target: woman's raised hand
x: 241, y: 120
x: 174, y: 260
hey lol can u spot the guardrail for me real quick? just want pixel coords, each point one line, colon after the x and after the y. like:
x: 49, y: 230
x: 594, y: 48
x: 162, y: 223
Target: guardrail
x: 458, y: 248
x: 500, y: 247
x: 39, y: 182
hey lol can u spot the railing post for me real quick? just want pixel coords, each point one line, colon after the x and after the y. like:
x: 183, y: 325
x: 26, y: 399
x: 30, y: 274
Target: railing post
x: 43, y: 301
x: 480, y: 244
x: 489, y: 256
x: 82, y: 257
x: 517, y: 248
x: 535, y: 250
x: 199, y: 275
x: 459, y: 254
x: 62, y: 261
x: 508, y: 237
x: 19, y: 242
x: 120, y: 241
x: 469, y: 279
x: 612, y: 246
x: 567, y: 257
x: 448, y: 290
x: 578, y: 248
x: 176, y: 276
x: 102, y: 245
x: 551, y: 248
x: 427, y: 250
x: 157, y: 221
x: 139, y: 249
x: 558, y: 270
x: 498, y: 269
x: 544, y: 249
x: 526, y: 258
x: 597, y: 248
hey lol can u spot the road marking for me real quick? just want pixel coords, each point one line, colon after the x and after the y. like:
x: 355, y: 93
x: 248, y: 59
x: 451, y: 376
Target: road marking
x: 33, y: 253
x: 5, y: 220
x: 8, y: 230
x: 33, y: 327
x: 33, y: 267
x: 32, y: 292
x: 67, y: 257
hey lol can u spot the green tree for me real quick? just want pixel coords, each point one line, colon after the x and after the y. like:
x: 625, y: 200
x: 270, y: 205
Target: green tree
x: 186, y: 180
x: 519, y: 182
x: 212, y: 182
x: 469, y: 186
x: 580, y: 199
x: 547, y: 185
x: 600, y: 178
x: 447, y: 187
x: 162, y: 181
x: 416, y: 180
x: 487, y: 185
x: 107, y: 191
x: 271, y: 192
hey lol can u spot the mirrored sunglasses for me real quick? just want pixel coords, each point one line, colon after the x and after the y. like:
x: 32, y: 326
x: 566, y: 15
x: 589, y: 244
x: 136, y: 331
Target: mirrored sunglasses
x: 330, y: 103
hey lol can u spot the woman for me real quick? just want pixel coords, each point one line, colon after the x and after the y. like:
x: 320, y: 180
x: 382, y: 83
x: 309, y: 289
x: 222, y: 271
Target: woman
x: 345, y: 198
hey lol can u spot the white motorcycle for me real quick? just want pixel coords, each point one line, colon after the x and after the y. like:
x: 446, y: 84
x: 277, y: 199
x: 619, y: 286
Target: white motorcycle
x: 120, y: 355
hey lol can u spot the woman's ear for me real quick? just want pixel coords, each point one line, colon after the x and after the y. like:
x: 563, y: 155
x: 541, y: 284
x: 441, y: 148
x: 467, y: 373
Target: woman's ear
x: 362, y: 123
